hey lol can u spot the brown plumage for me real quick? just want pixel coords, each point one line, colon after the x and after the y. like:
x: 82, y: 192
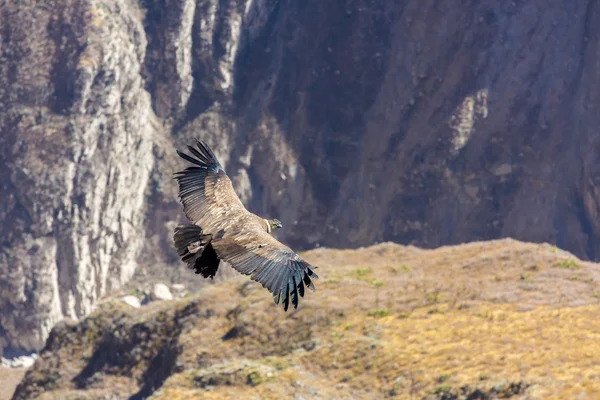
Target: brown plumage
x: 222, y: 229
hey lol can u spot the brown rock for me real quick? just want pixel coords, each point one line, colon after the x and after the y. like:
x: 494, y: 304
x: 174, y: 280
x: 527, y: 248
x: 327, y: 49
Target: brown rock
x: 350, y: 125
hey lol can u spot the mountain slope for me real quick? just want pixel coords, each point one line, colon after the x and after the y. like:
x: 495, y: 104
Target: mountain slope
x: 501, y: 318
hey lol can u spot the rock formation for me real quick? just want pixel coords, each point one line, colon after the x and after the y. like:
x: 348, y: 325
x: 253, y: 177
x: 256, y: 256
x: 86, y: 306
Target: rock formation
x: 76, y: 145
x: 419, y: 122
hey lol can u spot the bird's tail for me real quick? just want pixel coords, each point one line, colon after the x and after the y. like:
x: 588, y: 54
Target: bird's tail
x: 190, y: 243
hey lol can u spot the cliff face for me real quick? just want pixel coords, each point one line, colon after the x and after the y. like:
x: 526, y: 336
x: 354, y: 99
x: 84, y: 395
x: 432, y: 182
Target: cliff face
x: 418, y: 122
x: 77, y: 142
x: 430, y: 122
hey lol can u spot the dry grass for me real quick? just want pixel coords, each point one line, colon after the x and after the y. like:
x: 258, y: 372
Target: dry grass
x: 9, y: 378
x: 387, y: 321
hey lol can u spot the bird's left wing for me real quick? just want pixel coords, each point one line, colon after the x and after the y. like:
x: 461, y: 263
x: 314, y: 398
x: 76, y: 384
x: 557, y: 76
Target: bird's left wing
x: 275, y: 266
x: 205, y: 190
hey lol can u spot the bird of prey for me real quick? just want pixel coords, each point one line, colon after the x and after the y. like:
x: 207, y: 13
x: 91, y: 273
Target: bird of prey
x: 222, y: 229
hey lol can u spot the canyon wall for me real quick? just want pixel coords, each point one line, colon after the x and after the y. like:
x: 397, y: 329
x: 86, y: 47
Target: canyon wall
x: 353, y: 122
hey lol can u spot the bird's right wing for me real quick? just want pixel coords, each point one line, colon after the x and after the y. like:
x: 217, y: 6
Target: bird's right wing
x: 252, y: 251
x: 205, y: 190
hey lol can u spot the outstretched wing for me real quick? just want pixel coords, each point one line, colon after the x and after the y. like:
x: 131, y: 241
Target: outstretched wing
x: 275, y: 266
x: 205, y: 190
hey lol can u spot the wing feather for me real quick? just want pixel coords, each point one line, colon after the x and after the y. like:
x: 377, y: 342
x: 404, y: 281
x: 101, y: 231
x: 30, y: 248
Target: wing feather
x: 275, y: 266
x: 205, y: 190
x: 294, y: 290
x: 301, y: 289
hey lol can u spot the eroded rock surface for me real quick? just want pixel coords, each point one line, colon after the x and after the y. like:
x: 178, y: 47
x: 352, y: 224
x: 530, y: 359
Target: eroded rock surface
x: 417, y: 122
x: 77, y: 141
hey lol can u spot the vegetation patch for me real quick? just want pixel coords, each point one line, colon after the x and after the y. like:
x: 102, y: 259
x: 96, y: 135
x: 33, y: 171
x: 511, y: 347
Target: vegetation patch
x: 567, y: 264
x: 379, y: 313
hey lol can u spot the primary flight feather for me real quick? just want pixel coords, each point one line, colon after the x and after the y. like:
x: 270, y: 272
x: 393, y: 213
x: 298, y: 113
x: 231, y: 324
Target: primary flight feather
x: 222, y: 229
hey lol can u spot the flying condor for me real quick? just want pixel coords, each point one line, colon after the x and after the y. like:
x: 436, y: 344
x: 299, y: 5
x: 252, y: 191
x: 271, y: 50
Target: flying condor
x: 222, y: 229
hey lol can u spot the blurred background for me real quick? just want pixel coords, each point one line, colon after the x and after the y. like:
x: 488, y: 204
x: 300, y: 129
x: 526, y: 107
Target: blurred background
x: 438, y: 160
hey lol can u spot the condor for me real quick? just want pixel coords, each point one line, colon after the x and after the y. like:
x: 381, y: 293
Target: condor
x: 222, y: 229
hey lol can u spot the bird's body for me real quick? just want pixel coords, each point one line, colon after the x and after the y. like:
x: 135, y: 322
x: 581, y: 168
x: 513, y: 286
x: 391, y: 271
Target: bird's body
x: 223, y: 229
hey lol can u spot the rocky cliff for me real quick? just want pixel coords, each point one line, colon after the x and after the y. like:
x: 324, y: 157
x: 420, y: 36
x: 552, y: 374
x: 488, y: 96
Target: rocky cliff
x: 77, y: 140
x: 352, y: 122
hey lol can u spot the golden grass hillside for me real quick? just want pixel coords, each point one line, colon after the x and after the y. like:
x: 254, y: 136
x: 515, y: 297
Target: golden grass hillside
x: 499, y: 319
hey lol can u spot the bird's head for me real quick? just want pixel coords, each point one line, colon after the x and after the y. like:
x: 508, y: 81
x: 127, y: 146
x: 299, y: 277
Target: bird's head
x: 275, y: 223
